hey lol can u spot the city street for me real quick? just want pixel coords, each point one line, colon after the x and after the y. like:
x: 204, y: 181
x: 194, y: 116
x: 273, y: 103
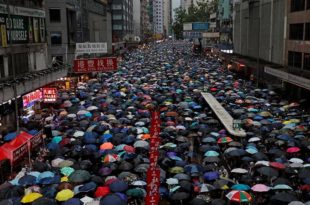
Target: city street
x: 98, y: 149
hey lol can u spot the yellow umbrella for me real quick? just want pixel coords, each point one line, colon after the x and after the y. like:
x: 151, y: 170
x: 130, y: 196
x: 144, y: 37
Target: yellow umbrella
x: 64, y: 195
x: 295, y: 120
x: 29, y: 198
x: 64, y: 179
x: 176, y: 170
x: 286, y: 122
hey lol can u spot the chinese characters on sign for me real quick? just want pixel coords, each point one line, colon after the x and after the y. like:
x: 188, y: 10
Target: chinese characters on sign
x: 153, y: 173
x: 30, y: 98
x: 49, y: 95
x: 82, y: 48
x: 95, y: 65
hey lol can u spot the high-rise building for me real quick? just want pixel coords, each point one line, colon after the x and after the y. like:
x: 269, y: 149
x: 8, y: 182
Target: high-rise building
x: 122, y: 19
x: 167, y: 17
x: 141, y: 21
x: 71, y: 21
x: 225, y: 22
x: 23, y: 54
x: 158, y: 16
x: 185, y: 4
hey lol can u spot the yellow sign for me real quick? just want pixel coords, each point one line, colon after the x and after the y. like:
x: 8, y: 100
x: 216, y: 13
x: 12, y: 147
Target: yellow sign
x: 67, y: 85
x: 4, y: 39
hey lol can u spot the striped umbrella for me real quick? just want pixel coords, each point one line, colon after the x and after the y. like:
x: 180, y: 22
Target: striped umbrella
x: 239, y: 196
x: 110, y: 158
x: 223, y: 140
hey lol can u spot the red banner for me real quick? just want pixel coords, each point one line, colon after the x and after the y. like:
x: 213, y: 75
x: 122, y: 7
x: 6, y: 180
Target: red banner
x: 30, y: 98
x: 49, y: 95
x: 153, y: 183
x: 95, y: 65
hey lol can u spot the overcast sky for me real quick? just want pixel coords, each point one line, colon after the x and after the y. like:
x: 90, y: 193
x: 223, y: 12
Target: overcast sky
x: 175, y: 4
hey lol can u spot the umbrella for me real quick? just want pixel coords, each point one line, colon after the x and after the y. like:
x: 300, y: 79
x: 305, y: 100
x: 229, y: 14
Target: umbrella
x: 268, y: 171
x: 277, y: 165
x: 283, y: 197
x: 110, y: 158
x: 223, y: 140
x: 44, y: 201
x: 241, y: 187
x: 112, y: 199
x: 282, y: 187
x: 239, y: 196
x: 141, y: 144
x: 198, y: 201
x: 106, y: 146
x: 260, y: 188
x: 31, y: 197
x: 64, y: 195
x: 102, y: 191
x: 211, y: 176
x: 293, y: 150
x: 206, y: 188
x: 239, y: 171
x: 211, y: 154
x: 118, y: 186
x: 178, y: 196
x: 79, y: 176
x: 139, y: 183
x: 136, y: 192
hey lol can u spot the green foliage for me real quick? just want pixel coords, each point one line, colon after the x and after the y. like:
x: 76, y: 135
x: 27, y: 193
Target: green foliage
x: 199, y: 13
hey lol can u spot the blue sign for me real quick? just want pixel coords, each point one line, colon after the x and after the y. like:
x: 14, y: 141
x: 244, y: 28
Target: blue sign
x: 200, y: 26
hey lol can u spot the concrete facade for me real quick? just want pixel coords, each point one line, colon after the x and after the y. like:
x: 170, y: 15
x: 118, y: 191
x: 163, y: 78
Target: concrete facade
x: 137, y: 18
x: 167, y: 17
x: 122, y: 20
x: 158, y: 16
x: 259, y: 29
x: 80, y: 21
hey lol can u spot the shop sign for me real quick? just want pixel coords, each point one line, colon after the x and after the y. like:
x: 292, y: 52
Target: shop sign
x: 49, y: 95
x: 23, y: 11
x: 36, y: 140
x: 91, y: 48
x: 95, y: 65
x: 200, y: 26
x: 187, y: 26
x: 30, y: 98
x: 20, y: 152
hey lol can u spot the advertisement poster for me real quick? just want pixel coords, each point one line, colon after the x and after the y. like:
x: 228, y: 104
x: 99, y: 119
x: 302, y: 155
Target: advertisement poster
x: 35, y: 29
x: 95, y: 65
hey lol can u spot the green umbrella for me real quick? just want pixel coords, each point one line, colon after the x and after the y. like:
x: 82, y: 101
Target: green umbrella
x: 79, y: 176
x: 67, y: 171
x: 136, y: 192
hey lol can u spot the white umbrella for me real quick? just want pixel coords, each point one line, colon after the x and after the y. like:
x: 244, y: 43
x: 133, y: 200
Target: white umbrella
x: 206, y: 188
x: 254, y: 139
x: 82, y: 112
x: 296, y: 160
x: 48, y: 119
x: 139, y: 183
x: 239, y: 171
x: 71, y: 116
x: 78, y: 134
x: 56, y: 162
x: 67, y: 103
x: 91, y: 108
x: 262, y: 162
x: 296, y: 165
x: 172, y: 181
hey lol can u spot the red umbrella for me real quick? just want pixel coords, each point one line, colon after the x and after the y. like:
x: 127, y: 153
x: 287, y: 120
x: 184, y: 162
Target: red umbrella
x: 102, y: 191
x: 293, y: 150
x: 277, y: 165
x: 129, y: 149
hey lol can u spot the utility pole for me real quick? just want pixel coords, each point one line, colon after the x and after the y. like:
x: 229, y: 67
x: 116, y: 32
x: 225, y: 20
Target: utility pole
x: 13, y: 66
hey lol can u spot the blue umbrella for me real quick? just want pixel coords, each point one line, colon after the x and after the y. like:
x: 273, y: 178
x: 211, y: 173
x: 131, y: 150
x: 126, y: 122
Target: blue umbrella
x: 284, y: 137
x: 118, y: 186
x: 10, y: 136
x: 241, y: 187
x: 193, y: 168
x: 33, y: 132
x: 46, y: 174
x: 209, y: 176
x: 112, y: 199
x: 27, y: 180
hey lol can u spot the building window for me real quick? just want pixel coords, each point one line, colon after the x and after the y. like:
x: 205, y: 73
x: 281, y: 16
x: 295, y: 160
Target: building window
x: 59, y: 59
x: 55, y: 15
x: 308, y: 4
x: 297, y: 5
x: 20, y: 63
x: 296, y: 31
x: 307, y: 61
x: 56, y: 38
x: 294, y: 59
x: 2, y: 73
x: 117, y: 27
x: 116, y: 6
x: 307, y: 32
x: 117, y: 17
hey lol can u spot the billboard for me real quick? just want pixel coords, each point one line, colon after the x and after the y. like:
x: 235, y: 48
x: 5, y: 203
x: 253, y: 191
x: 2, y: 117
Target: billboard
x: 49, y: 95
x: 200, y: 26
x: 95, y: 65
x: 91, y: 48
x: 30, y: 98
x: 187, y: 26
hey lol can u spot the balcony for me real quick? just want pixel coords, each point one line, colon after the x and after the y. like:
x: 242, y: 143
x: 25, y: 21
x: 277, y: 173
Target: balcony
x: 292, y: 75
x: 30, y: 81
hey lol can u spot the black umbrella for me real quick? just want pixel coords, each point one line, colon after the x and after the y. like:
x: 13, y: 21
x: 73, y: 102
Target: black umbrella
x: 218, y: 202
x: 197, y: 201
x: 304, y: 172
x: 12, y: 191
x: 268, y: 171
x: 284, y: 198
x: 177, y: 196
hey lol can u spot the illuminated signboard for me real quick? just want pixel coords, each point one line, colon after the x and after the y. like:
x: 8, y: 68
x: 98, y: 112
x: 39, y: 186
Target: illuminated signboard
x: 49, y: 95
x: 30, y: 98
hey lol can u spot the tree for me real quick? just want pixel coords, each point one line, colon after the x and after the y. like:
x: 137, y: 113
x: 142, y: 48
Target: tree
x: 195, y: 13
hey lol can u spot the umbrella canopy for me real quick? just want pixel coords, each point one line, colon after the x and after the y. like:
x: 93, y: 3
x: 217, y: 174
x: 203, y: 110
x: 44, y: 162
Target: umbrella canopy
x: 31, y: 197
x: 112, y: 199
x: 239, y: 196
x: 79, y: 176
x: 260, y: 188
x: 64, y: 195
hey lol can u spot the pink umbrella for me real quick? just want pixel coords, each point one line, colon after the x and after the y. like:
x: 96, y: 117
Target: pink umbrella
x: 260, y: 188
x: 293, y: 149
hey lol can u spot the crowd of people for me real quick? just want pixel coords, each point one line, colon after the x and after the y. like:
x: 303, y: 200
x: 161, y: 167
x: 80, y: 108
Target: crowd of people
x: 97, y: 151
